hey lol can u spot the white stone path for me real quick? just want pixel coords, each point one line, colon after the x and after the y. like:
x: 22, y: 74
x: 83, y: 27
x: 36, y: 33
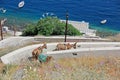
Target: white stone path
x: 83, y: 48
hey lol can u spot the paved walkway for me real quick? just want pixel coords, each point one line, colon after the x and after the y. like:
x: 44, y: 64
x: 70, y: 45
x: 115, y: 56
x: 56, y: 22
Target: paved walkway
x: 98, y: 48
x: 15, y: 41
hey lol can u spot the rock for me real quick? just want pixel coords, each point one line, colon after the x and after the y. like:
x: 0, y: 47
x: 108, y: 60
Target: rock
x: 19, y: 74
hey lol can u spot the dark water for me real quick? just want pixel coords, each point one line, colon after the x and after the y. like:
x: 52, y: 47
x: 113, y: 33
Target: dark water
x: 92, y: 11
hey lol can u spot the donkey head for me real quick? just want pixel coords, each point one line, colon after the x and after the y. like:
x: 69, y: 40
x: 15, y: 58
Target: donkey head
x: 74, y: 45
x: 44, y: 46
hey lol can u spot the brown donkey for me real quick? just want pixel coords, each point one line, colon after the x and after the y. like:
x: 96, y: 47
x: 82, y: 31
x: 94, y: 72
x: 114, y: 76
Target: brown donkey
x: 61, y: 46
x: 69, y: 46
x: 38, y: 51
x: 65, y: 46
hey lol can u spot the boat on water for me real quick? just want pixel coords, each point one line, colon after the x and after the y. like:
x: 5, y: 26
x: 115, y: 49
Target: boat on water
x: 21, y: 4
x: 3, y: 10
x: 103, y: 21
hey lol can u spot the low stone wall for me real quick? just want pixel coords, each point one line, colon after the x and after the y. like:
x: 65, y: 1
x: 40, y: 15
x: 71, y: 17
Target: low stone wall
x: 70, y: 39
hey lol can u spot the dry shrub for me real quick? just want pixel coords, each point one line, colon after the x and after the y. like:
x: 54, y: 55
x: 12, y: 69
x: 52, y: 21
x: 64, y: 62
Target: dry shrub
x: 82, y: 68
x: 107, y: 67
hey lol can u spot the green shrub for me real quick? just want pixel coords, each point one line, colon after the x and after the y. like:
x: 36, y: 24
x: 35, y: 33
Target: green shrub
x: 50, y: 26
x: 59, y: 29
x: 30, y: 30
x: 73, y: 31
x: 46, y: 25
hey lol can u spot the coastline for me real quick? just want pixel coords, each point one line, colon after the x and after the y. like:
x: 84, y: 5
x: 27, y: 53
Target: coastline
x: 86, y: 27
x: 21, y: 21
x: 83, y: 27
x: 92, y: 26
x: 95, y: 27
x: 105, y: 32
x: 90, y: 13
x: 92, y: 30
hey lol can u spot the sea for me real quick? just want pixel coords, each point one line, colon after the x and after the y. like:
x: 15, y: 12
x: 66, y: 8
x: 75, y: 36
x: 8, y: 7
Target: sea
x: 92, y: 11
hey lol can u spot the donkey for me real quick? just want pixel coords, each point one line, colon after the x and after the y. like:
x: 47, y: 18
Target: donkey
x: 69, y: 46
x: 65, y: 46
x: 38, y: 51
x: 61, y: 46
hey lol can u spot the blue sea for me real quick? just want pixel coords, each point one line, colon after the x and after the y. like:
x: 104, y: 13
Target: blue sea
x: 92, y: 11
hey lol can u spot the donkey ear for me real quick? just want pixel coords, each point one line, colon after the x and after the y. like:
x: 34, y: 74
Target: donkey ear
x: 75, y: 43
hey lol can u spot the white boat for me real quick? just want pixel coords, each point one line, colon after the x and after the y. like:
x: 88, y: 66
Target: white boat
x: 43, y: 15
x: 103, y: 21
x: 3, y: 10
x: 21, y: 4
x: 47, y: 14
